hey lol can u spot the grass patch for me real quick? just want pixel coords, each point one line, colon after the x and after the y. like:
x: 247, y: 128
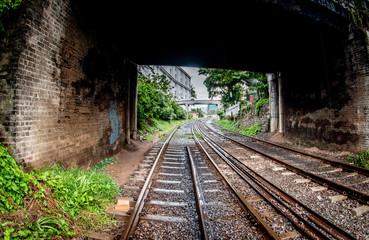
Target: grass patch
x: 53, y: 203
x: 161, y: 127
x: 361, y: 159
x: 235, y: 126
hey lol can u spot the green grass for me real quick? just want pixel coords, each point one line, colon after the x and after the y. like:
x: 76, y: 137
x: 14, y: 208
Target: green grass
x: 162, y: 127
x: 235, y: 126
x: 361, y: 159
x: 55, y: 203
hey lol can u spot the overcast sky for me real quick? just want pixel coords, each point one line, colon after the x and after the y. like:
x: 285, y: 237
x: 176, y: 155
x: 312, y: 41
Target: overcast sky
x: 197, y: 82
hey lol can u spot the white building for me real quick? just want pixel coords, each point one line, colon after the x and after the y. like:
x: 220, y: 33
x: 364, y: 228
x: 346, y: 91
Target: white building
x: 179, y: 79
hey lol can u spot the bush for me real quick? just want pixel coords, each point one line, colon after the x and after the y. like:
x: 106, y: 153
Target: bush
x: 220, y: 113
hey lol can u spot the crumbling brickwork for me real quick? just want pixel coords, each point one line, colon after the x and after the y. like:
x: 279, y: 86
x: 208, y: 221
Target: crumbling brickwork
x: 330, y: 109
x: 63, y: 94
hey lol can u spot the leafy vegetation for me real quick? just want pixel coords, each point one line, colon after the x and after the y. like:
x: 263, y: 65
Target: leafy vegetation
x: 232, y: 85
x: 235, y: 126
x: 155, y: 102
x: 53, y: 203
x: 6, y: 8
x: 13, y: 182
x: 260, y: 103
x: 256, y: 104
x: 361, y: 159
x: 220, y: 113
x: 360, y: 14
x: 158, y: 127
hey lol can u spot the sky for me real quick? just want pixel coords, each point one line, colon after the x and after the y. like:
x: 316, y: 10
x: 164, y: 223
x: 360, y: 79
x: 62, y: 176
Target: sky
x: 197, y: 82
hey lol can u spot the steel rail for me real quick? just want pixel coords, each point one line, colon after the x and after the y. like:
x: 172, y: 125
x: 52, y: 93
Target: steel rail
x: 270, y: 233
x: 295, y: 219
x: 352, y: 193
x: 292, y: 204
x: 134, y: 217
x: 199, y: 200
x: 323, y: 159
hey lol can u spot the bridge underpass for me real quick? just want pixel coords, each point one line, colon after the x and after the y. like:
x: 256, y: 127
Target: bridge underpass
x: 69, y: 76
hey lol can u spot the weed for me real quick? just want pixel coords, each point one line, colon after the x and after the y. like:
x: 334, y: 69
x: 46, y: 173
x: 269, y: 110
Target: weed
x: 101, y: 165
x: 361, y: 159
x: 235, y: 126
x: 199, y: 136
x: 53, y: 203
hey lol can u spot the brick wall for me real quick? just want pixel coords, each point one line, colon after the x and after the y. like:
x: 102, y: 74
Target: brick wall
x: 328, y: 108
x: 63, y: 93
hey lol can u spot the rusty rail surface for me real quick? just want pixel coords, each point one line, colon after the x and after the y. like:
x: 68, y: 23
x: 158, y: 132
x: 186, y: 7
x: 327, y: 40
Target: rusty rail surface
x: 271, y: 193
x: 352, y: 193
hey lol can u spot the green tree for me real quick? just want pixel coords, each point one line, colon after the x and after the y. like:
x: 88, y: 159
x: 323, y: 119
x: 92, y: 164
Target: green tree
x: 193, y: 93
x: 155, y: 101
x: 6, y: 7
x: 231, y: 85
x: 220, y: 113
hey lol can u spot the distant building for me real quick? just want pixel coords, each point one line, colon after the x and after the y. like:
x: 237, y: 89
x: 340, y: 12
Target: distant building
x: 179, y: 79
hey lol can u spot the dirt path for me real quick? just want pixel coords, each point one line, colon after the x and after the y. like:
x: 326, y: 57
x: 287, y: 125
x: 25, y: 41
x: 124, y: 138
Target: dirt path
x: 129, y: 160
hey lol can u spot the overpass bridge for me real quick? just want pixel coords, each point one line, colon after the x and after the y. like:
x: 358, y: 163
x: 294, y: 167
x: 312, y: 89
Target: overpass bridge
x: 188, y: 103
x: 68, y: 69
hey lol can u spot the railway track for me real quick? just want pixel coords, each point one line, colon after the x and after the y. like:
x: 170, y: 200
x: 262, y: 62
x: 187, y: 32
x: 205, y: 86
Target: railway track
x: 349, y: 180
x: 307, y: 222
x: 198, y: 185
x: 314, y: 189
x: 184, y: 197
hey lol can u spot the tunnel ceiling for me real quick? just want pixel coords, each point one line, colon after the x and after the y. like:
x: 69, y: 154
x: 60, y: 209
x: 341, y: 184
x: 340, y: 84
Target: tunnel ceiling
x: 250, y: 35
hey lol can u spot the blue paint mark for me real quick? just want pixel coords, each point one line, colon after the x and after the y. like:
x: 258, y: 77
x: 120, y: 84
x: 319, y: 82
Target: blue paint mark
x: 113, y: 117
x: 113, y: 104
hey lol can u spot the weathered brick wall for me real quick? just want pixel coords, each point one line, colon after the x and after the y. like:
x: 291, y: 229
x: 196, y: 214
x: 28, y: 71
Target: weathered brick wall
x: 330, y: 109
x: 63, y: 94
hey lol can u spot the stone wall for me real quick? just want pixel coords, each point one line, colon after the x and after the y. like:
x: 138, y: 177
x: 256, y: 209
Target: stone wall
x: 250, y: 118
x: 64, y: 95
x: 329, y: 108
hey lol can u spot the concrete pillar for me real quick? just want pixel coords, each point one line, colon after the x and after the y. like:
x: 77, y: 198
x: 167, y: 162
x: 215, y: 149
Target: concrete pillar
x: 133, y: 101
x: 281, y: 103
x: 273, y: 101
x: 186, y: 111
x: 127, y: 125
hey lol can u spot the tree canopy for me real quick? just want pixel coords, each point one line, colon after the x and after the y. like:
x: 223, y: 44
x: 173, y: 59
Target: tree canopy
x: 155, y: 101
x: 231, y: 85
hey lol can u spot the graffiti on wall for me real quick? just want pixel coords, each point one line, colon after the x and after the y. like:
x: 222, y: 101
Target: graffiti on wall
x: 113, y: 117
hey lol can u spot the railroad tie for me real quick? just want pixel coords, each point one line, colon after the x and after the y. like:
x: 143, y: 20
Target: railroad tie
x: 318, y: 189
x: 302, y: 180
x: 360, y: 210
x: 288, y: 235
x: 337, y: 198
